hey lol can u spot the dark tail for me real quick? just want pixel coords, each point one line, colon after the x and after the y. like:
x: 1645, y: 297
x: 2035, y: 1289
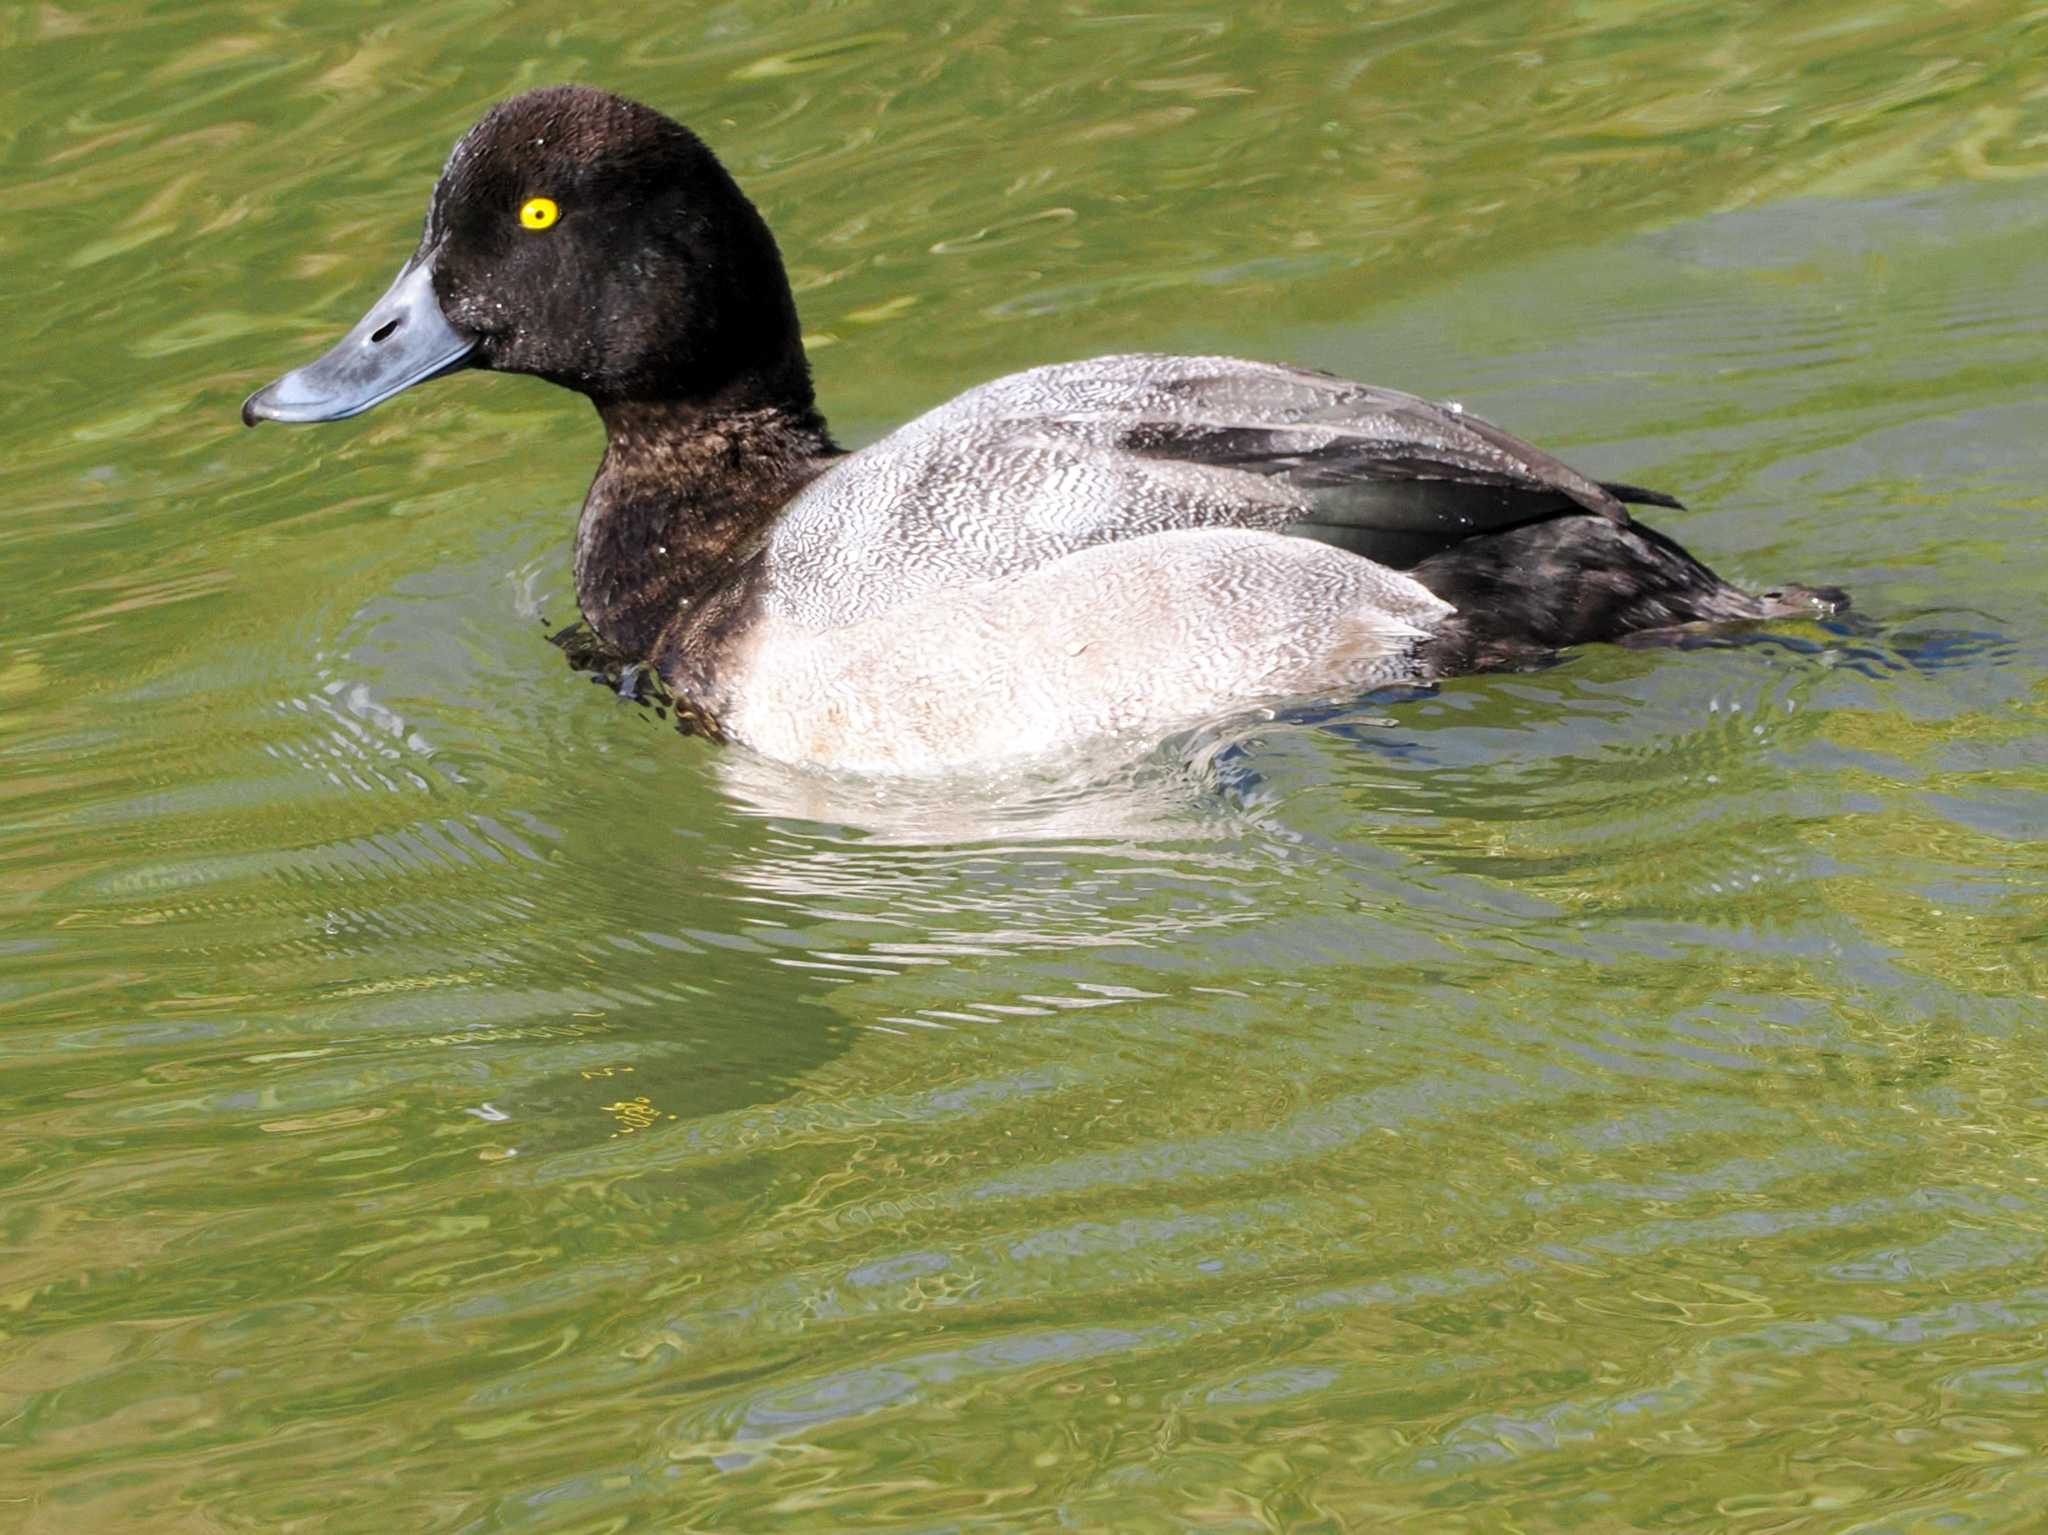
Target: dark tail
x: 1527, y: 591
x: 1635, y: 495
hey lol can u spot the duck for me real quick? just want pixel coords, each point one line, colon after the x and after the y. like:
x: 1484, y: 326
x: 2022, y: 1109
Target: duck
x: 1105, y: 550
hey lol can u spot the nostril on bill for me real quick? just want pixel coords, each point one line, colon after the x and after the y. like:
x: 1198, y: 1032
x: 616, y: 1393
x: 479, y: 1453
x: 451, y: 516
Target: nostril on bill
x: 384, y: 331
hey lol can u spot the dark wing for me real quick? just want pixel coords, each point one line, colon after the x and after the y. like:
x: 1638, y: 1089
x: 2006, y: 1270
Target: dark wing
x: 1385, y: 475
x: 1032, y: 466
x: 1381, y: 473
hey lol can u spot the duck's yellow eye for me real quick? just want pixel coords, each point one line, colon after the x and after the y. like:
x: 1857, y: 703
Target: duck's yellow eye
x: 539, y: 212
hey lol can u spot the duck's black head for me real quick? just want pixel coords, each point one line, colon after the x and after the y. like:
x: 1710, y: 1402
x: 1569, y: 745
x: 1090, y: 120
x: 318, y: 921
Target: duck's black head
x: 588, y: 240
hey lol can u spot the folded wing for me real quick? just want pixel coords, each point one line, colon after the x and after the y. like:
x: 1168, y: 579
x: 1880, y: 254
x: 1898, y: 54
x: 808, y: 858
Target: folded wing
x: 1034, y: 465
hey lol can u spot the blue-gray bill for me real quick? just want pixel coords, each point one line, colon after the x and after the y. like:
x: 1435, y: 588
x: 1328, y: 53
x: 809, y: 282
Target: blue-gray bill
x: 402, y: 341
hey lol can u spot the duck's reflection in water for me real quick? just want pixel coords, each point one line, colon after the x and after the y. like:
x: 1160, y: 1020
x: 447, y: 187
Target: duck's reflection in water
x: 1098, y: 852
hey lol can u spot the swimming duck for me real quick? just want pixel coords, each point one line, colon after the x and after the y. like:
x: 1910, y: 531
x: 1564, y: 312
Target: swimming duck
x: 1110, y: 548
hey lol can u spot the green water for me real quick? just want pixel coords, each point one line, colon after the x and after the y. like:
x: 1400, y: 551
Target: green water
x: 434, y: 1096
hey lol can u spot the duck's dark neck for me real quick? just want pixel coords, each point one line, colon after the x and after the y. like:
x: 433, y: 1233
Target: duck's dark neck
x: 679, y: 505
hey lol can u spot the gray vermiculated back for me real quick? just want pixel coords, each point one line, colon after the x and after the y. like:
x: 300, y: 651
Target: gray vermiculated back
x: 1035, y: 465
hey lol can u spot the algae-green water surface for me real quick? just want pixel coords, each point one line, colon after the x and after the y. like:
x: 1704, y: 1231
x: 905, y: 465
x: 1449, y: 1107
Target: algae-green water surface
x: 436, y: 1096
